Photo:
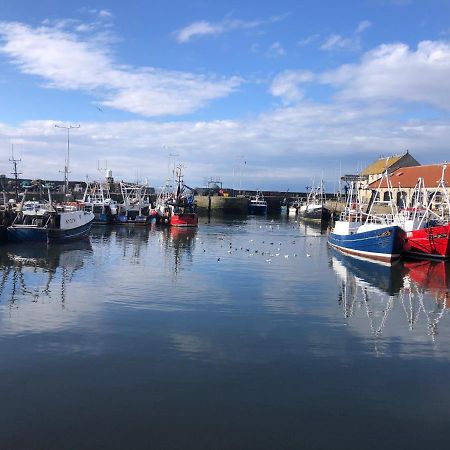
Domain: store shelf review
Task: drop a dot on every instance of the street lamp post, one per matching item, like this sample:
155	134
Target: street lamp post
66	166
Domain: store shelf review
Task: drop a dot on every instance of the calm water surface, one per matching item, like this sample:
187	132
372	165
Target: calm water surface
239	335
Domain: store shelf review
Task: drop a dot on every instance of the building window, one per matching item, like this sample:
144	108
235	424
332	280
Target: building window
402	199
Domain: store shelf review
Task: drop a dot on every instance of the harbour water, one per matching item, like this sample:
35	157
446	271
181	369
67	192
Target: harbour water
242	334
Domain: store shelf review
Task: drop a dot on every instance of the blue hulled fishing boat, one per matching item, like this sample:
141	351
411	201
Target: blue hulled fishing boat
378	242
46	222
97	200
367	235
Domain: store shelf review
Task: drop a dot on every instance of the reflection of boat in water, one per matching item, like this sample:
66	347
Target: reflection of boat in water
23	268
432	277
313	228
413	293
387	279
181	242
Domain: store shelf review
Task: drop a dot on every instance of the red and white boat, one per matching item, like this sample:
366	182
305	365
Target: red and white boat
177	207
427	229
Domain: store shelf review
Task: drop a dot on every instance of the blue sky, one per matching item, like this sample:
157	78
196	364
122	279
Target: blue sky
280	92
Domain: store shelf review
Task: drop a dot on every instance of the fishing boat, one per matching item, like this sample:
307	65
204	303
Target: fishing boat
293	207
257	204
367	235
136	205
97	200
314	207
46	222
177	207
427	229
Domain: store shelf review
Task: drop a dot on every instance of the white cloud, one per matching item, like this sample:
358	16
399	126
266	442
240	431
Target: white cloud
275	50
353	43
287	84
282	147
204	28
393	72
67	61
200	28
364	25
308	40
105	14
338	42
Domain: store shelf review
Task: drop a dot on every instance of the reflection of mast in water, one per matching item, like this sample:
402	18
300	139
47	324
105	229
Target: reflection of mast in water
369	287
27	269
132	238
181	242
374	288
431	277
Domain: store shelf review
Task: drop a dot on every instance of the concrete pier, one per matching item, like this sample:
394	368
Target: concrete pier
221	205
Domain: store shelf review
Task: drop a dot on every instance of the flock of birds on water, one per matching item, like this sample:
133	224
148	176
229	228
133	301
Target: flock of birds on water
269	254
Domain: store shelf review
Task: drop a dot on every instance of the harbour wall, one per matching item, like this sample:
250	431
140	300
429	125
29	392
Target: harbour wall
221	205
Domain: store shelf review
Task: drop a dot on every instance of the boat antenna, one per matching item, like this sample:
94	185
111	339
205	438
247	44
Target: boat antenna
15	172
66	166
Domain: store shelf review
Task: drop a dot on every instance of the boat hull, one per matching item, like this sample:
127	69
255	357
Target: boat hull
184	220
23	233
3	234
257	210
320	214
104	219
432	242
383	244
56	236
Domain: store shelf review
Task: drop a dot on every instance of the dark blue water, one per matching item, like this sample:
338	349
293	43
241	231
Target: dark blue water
239	335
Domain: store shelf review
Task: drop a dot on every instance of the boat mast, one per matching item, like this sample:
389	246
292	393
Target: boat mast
15	172
67	160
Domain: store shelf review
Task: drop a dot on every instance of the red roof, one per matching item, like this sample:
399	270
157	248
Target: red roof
406	177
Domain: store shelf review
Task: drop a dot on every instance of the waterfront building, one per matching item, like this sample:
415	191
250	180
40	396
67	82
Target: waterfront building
374	171
405	179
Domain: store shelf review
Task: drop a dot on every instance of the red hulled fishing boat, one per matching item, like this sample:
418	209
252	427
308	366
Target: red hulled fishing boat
426	222
177	208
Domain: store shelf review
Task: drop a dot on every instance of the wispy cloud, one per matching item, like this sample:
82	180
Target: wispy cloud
308	40
338	42
78	60
364	25
351	43
275	50
205	28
